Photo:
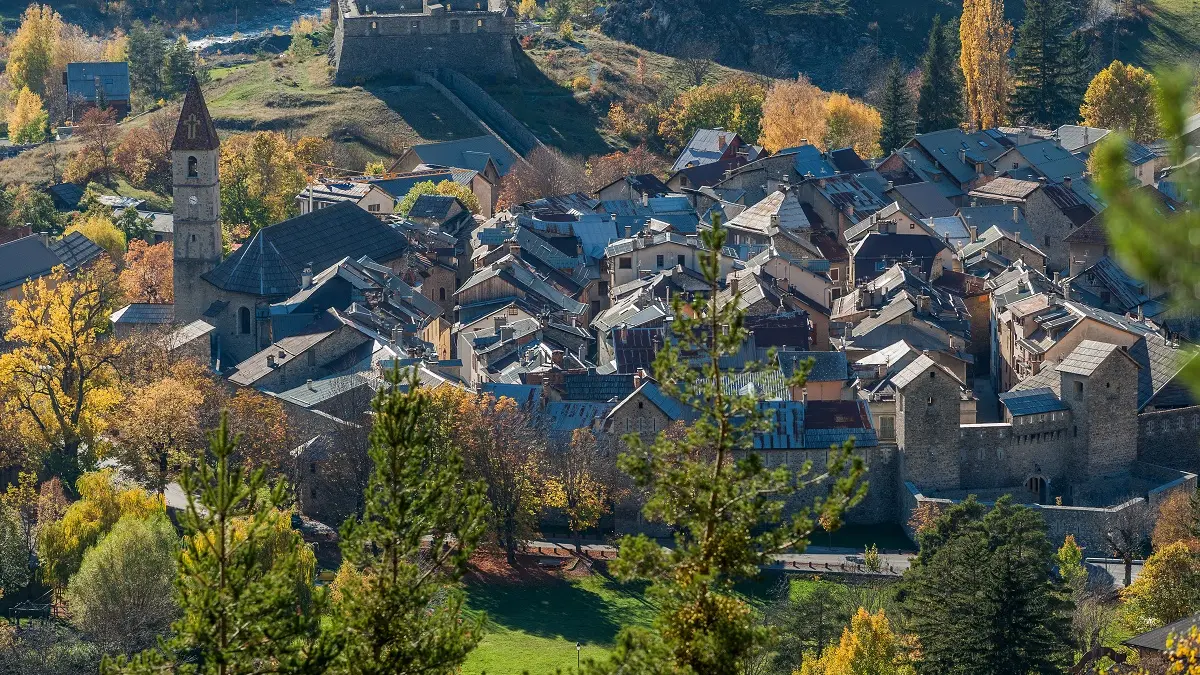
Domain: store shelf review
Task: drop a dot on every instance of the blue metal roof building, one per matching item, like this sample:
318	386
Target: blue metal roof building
86	81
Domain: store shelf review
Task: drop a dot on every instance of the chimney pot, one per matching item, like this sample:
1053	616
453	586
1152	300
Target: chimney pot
306	276
1016	214
270	360
310	386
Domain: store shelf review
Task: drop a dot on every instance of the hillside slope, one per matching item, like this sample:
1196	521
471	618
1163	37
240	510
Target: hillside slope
839	44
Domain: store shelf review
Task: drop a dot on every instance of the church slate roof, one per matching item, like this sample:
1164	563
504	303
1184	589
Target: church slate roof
270	264
195	130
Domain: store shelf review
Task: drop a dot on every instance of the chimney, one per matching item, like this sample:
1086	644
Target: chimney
628	231
733	284
270	360
890	185
556	357
498	323
803	141
1057	278
309	384
923	303
1017	236
974	232
306	276
775	220
1141	314
721	142
962	155
639	377
645	199
1085	135
1067	181
507	333
397	334
1016	214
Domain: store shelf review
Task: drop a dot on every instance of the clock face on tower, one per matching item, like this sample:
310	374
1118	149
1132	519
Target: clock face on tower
192	200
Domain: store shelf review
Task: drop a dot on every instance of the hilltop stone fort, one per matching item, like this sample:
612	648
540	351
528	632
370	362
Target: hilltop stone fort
378	37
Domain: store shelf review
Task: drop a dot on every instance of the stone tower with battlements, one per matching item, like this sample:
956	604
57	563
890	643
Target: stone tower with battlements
197	237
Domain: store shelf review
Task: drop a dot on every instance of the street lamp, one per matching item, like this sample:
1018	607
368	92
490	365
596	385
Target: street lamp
578	650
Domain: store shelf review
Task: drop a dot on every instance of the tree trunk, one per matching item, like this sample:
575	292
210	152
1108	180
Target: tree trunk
578	543
1128	570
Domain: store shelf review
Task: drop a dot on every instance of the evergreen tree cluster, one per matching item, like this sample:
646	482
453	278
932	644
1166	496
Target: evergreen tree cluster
158	67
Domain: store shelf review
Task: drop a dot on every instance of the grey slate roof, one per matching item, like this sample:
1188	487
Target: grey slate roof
257	366
1086	357
87	79
784	205
594	387
195	130
270	263
845	160
926	198
318	391
919	365
1157	639
467	153
66	196
1074	138
436	207
827	366
186	334
808	160
1032	401
144	313
703	148
30	258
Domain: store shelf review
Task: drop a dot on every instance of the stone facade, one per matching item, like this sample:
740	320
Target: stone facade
387	37
197	236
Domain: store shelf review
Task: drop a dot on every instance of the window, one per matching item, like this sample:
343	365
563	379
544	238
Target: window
454	26
834	273
442	293
192	163
374	25
887	427
625	263
658	260
312	467
679	259
244	320
641	405
193	237
1047	240
595	307
373	208
478	25
1078	390
512	311
930	401
603	287
312	358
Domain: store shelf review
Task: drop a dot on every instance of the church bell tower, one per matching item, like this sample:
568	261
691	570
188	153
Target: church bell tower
197	236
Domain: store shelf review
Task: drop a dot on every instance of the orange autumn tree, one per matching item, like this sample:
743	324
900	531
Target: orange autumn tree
158	430
503	446
148	273
261	424
580	476
793	114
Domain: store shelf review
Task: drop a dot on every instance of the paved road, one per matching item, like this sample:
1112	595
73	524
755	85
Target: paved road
820	560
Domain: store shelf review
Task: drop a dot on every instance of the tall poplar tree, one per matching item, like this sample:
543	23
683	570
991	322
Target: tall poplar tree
896	110
1047	69
940	103
985	38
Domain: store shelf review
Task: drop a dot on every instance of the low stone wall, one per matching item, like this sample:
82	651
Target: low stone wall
509	128
1086	524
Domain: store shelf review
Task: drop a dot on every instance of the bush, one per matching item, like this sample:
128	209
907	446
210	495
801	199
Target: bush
581	83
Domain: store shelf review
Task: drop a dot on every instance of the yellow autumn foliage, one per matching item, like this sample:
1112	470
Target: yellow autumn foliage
103	501
986	37
101	230
868	647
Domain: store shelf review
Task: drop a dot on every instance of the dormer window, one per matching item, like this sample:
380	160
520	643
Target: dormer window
192	170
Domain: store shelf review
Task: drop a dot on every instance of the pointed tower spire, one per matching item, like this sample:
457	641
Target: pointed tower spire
195	130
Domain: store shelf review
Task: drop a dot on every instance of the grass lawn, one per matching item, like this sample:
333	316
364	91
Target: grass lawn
1166	34
534	625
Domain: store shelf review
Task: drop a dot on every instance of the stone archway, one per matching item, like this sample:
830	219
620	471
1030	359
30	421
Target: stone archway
1037	485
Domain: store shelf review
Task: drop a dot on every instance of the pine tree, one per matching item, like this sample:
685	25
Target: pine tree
245	580
147	47
982	596
717	494
179	64
397	603
896	110
1049	83
940	105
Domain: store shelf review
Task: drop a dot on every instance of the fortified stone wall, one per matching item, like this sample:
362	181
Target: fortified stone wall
880	505
1170	438
368	46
